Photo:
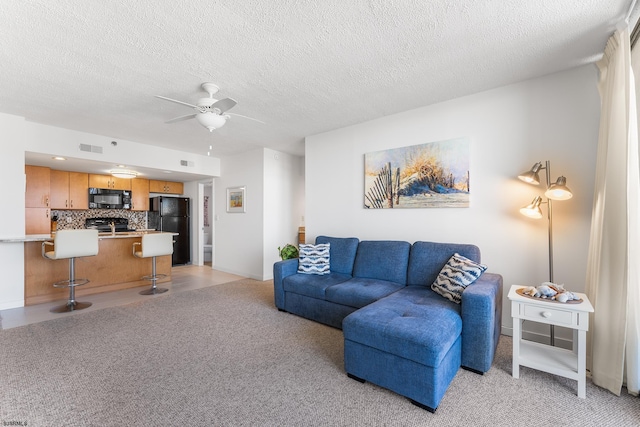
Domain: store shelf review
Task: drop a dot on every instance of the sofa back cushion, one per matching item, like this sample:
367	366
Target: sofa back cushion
383	260
342	253
427	259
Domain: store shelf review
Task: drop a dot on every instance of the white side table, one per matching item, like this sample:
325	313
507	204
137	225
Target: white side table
558	361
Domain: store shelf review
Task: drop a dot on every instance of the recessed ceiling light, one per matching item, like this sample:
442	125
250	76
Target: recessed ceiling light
167	171
58	158
122	166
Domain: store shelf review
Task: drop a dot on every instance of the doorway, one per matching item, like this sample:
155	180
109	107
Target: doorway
205	224
207	228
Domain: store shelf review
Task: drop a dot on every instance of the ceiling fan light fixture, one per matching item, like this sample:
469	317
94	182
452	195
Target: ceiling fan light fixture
211	121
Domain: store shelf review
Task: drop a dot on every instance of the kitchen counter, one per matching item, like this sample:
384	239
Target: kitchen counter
114	267
27	238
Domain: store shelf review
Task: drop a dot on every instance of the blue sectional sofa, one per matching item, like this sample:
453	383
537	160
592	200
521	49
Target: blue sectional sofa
399	333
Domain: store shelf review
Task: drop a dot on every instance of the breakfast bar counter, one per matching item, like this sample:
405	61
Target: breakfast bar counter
114	267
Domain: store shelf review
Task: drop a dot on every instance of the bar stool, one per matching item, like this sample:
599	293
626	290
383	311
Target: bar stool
71	244
153	245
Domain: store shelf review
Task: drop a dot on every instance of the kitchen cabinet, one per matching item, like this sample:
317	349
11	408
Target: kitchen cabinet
139	194
37	188
79	190
69	190
166	187
110	182
37	220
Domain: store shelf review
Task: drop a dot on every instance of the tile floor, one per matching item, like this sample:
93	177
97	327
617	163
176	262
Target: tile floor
183	278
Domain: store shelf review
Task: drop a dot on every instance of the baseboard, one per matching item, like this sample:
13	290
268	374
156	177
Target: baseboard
6	305
238	273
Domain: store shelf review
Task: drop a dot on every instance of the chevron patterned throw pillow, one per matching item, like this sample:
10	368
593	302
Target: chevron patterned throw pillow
314	259
458	273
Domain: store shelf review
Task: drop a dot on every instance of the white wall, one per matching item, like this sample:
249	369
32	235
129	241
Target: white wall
239	236
12	212
246	243
65	142
283	211
510	128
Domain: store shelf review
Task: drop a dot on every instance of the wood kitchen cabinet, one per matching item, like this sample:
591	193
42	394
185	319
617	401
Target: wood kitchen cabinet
37	188
166	187
139	194
110	182
37	220
69	190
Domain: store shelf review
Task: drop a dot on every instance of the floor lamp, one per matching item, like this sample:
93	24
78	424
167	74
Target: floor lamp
556	191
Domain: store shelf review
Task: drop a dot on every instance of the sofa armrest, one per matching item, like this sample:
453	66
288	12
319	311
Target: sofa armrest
282	269
481	313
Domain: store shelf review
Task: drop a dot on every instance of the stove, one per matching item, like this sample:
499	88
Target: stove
104	224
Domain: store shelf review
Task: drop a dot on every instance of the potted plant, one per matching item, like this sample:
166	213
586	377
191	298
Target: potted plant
288	252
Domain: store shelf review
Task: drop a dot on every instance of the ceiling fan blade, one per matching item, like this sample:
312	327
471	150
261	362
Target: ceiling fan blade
176	101
224	104
181	118
247	117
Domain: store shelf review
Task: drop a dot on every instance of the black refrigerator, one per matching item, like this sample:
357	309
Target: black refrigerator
171	214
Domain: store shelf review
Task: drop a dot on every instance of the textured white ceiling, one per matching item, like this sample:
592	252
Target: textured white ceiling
303	67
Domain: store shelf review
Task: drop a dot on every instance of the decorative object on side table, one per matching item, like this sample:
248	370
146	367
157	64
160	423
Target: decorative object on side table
550	292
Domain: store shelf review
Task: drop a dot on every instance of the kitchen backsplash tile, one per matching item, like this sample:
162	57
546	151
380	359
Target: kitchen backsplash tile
68	219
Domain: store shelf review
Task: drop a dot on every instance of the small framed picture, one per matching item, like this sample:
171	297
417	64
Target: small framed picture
236	199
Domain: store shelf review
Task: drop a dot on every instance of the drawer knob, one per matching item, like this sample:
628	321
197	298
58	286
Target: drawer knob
546	314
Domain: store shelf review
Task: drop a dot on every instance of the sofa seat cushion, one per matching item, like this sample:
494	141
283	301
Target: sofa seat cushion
312	285
414	323
359	292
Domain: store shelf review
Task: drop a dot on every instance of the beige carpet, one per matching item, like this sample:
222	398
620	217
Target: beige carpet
224	356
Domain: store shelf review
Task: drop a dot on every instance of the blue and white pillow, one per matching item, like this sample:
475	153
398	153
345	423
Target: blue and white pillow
314	259
458	273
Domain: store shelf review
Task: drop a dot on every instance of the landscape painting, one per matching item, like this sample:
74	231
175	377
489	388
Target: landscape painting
431	175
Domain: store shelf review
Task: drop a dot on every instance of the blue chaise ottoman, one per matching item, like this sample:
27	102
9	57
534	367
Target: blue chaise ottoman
408	342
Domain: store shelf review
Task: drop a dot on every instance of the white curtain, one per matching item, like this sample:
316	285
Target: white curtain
613	275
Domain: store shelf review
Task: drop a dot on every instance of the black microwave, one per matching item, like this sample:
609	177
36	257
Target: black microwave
101	198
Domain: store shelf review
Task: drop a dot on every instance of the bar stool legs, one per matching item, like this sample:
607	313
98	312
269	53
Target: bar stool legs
72	304
154	278
150	246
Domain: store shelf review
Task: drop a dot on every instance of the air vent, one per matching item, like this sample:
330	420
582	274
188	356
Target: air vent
91	148
186	163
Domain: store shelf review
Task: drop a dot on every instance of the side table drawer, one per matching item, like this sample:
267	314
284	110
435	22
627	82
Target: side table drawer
548	315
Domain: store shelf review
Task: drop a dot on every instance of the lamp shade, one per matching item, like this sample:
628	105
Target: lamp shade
211	120
559	190
531	176
533	210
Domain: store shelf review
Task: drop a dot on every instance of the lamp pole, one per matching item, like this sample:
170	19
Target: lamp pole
547	166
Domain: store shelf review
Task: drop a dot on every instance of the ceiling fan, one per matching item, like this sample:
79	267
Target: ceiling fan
210	112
